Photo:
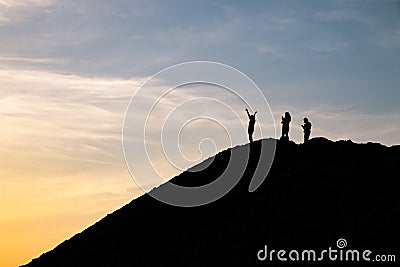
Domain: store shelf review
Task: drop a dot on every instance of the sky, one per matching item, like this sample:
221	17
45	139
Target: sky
68	70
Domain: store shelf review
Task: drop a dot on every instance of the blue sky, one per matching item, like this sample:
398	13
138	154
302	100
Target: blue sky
69	68
300	52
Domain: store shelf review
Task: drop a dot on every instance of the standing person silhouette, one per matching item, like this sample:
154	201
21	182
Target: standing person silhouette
307	129
285	126
252	121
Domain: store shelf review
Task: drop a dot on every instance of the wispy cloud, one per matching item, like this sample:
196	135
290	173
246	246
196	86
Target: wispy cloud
3	19
327	47
388	37
13	10
60	110
54	123
17	3
29	60
381	32
274	51
342	15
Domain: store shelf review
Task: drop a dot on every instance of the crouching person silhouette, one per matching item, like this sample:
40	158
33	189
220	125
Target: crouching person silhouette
307	129
285	126
252	121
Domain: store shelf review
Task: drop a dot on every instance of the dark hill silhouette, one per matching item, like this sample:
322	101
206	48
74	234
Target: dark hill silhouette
314	194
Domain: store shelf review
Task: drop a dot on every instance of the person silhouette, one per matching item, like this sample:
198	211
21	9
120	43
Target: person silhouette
285	126
307	129
252	121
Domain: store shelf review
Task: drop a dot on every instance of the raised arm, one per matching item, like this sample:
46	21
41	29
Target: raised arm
248	114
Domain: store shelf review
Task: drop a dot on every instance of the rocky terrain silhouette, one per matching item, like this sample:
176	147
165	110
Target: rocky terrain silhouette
314	194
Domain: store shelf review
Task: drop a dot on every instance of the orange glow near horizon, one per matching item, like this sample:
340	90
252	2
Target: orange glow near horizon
36	217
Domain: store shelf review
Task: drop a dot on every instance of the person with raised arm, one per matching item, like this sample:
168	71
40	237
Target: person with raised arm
252	121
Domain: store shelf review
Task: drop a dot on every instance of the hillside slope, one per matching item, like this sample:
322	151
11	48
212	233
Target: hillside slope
314	194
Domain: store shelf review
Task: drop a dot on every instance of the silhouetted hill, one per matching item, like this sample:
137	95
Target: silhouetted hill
314	194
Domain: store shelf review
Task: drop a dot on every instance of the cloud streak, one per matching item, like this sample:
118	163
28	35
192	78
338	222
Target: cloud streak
56	125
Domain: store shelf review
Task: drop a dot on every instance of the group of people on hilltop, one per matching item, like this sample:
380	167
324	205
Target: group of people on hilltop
285	126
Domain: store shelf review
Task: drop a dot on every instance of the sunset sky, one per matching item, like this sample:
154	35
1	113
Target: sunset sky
68	70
